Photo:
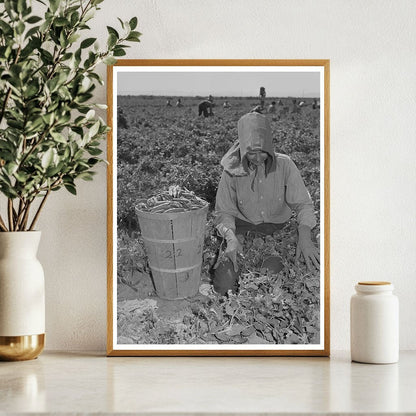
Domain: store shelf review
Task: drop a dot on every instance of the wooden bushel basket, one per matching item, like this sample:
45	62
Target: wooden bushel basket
174	243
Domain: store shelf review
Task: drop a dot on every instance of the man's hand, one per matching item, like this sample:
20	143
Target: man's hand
233	246
307	248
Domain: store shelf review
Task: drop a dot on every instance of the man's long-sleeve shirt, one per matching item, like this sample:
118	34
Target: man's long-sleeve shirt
258	198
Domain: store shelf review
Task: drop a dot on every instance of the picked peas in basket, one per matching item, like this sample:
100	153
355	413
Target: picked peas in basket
175	199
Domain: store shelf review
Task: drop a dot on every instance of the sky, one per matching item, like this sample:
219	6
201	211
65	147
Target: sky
231	84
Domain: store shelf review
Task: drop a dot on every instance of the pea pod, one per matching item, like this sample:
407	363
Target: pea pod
177	199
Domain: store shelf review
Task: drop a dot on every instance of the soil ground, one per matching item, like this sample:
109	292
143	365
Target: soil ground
141	287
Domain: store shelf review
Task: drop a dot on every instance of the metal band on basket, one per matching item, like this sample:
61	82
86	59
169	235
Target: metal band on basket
183	269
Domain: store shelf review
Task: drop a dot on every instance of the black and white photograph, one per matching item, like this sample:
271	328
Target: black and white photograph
219	216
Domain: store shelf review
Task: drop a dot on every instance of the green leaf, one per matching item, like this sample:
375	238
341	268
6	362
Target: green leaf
72	39
67	153
33	126
64	93
112	31
78	154
21	5
86	176
58	137
134	37
15	124
94	129
10	8
48	118
93	161
90	115
46	56
53	84
110	60
133	23
11	168
94	151
53	171
68	55
33	19
74	18
8	191
90	14
54	4
61	21
47	158
20	28
87	42
63	41
82	98
8	52
27	11
31	32
95	76
31	90
70	188
5	28
119	52
21	177
121	22
112	40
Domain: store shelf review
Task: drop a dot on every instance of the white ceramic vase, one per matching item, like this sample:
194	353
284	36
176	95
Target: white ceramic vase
22	296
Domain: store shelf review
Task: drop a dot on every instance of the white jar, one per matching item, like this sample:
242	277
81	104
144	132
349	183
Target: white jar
374	323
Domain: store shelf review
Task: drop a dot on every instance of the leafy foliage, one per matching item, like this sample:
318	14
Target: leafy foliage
270	308
50	134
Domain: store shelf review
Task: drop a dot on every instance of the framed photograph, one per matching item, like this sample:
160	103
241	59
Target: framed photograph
218	208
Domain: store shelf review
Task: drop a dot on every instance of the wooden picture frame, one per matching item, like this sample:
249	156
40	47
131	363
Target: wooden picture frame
152	141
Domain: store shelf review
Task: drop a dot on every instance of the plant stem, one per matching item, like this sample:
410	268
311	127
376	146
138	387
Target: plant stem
10	213
32	149
21	212
18	215
39	209
2	224
26	216
3	109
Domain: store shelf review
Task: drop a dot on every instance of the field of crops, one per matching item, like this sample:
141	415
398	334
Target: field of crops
159	146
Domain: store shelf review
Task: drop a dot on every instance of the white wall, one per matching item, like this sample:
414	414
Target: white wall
371	45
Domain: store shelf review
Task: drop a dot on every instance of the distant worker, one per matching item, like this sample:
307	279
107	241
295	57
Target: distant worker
295	107
271	109
179	103
121	119
262	96
168	104
226	105
316	104
205	108
302	104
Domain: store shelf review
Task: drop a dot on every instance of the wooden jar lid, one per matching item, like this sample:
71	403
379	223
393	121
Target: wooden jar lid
374	283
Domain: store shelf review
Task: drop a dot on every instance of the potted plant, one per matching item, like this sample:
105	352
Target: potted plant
50	136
